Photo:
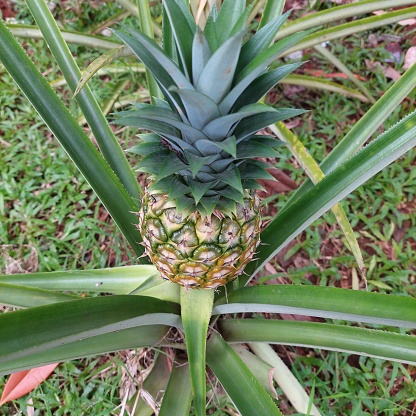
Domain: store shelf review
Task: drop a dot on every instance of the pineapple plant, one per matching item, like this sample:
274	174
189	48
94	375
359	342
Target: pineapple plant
61	323
200	216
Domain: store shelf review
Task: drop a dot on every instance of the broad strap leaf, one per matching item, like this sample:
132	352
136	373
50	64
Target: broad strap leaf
243	388
228	16
196	307
201	53
55	332
258	88
148	51
183	34
323	302
200	109
260	41
217	76
253	124
363	341
71	136
220	127
334	187
179	386
257	67
210	30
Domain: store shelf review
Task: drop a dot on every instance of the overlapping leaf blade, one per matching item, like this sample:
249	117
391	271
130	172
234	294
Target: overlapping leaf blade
68	330
92	112
183	34
244	390
323	302
370	342
217	76
73	139
334	187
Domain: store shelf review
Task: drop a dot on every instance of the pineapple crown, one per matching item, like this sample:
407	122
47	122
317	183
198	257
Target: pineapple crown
202	149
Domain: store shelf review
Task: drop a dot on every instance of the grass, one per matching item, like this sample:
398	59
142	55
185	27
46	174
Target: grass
87	387
46	207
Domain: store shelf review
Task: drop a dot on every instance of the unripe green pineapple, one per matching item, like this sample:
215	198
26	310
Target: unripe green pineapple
197	251
200	218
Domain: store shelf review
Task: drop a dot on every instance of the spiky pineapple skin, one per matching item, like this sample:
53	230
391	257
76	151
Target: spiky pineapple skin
199	252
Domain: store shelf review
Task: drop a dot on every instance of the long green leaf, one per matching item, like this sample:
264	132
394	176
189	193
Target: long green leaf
371	342
272	10
243	388
116	280
137	337
183	34
364	128
312	169
229	14
163	68
217	76
260	41
324	84
178	394
29	297
333	188
104	136
81	327
73	139
196	307
340	12
77	38
255	68
350	28
260	86
323	302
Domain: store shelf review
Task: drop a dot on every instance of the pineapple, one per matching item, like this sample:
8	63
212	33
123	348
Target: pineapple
200	217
